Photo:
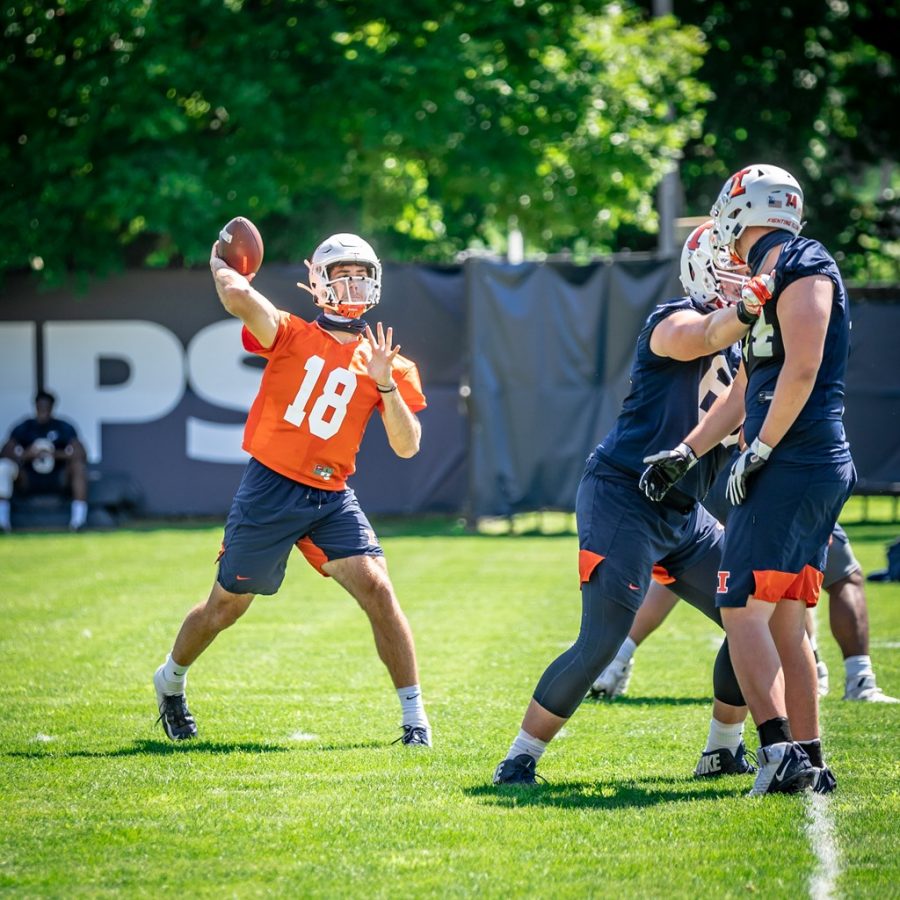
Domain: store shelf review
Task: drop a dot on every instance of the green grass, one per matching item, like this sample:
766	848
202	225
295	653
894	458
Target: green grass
294	788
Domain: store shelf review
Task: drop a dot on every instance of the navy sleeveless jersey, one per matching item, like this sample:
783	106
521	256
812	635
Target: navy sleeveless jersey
817	435
668	398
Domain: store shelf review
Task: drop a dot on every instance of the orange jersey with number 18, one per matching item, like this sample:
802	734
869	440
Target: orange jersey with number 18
314	402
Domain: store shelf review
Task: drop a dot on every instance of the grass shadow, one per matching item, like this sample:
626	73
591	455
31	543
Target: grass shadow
614	794
631	700
153	747
161	747
359	745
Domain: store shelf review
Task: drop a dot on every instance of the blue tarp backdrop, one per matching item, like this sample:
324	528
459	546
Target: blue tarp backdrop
524	368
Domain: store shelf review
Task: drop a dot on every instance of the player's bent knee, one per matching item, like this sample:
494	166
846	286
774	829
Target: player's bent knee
379	602
225	608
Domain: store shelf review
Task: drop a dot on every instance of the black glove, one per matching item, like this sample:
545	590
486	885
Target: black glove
750	461
665	469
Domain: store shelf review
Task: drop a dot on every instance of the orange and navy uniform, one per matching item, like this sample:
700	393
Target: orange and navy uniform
314	402
776	542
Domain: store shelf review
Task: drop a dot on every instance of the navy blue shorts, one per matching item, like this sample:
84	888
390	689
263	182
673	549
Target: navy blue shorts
270	514
777	539
840	562
632	539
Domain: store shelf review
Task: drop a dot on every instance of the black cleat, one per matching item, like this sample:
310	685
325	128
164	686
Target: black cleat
176	718
518	770
723	762
825	781
784	768
415	735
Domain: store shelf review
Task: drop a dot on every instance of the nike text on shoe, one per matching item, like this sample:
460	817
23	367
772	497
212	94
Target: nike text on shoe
176	718
613	680
865	690
784	768
723	762
518	770
825	781
415	735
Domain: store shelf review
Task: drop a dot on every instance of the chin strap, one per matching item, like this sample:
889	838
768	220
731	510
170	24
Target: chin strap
337	323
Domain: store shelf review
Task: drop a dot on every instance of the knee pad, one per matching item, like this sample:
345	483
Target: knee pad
8	472
725	683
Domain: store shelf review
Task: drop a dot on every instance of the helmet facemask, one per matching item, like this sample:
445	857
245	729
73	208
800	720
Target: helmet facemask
347	294
711	277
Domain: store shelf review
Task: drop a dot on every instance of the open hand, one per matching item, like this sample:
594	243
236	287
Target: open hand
380	366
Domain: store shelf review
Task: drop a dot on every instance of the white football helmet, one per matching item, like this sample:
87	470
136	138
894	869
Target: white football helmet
756	195
346	296
707	275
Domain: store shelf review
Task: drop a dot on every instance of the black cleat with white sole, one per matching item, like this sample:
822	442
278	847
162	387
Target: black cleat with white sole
176	718
723	762
784	768
517	770
415	736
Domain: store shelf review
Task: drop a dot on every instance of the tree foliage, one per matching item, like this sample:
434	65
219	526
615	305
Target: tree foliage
812	86
135	128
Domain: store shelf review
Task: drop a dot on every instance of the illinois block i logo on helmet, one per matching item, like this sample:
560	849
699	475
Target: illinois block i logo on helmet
756	195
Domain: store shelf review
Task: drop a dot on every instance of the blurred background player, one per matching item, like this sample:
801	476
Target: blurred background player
44	456
322	382
686	354
789	484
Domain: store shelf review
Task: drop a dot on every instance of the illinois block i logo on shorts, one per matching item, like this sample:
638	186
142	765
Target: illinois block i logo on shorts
722	587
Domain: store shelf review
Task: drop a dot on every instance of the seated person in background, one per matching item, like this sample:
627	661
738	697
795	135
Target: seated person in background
44	456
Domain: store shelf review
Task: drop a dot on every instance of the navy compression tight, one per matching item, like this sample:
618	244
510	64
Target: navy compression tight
604	625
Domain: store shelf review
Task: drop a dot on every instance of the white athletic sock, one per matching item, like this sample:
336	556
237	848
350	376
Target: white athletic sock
4	515
722	735
525	743
626	651
78	515
413	708
175	676
858	667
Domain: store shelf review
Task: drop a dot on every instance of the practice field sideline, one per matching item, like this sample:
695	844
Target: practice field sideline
294	788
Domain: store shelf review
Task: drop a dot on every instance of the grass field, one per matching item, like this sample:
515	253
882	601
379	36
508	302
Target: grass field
294	788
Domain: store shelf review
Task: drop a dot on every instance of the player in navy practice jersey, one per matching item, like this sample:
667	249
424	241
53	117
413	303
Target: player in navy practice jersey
795	474
686	355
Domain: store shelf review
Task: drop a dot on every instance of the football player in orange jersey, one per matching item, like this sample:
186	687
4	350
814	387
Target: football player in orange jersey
322	382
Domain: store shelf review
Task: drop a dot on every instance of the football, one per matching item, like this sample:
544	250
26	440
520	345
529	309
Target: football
241	246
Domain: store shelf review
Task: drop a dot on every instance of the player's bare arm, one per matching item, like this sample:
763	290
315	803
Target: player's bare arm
243	301
804	310
687	335
404	431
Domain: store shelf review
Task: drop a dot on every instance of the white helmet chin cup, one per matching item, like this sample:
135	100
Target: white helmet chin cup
359	293
756	195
